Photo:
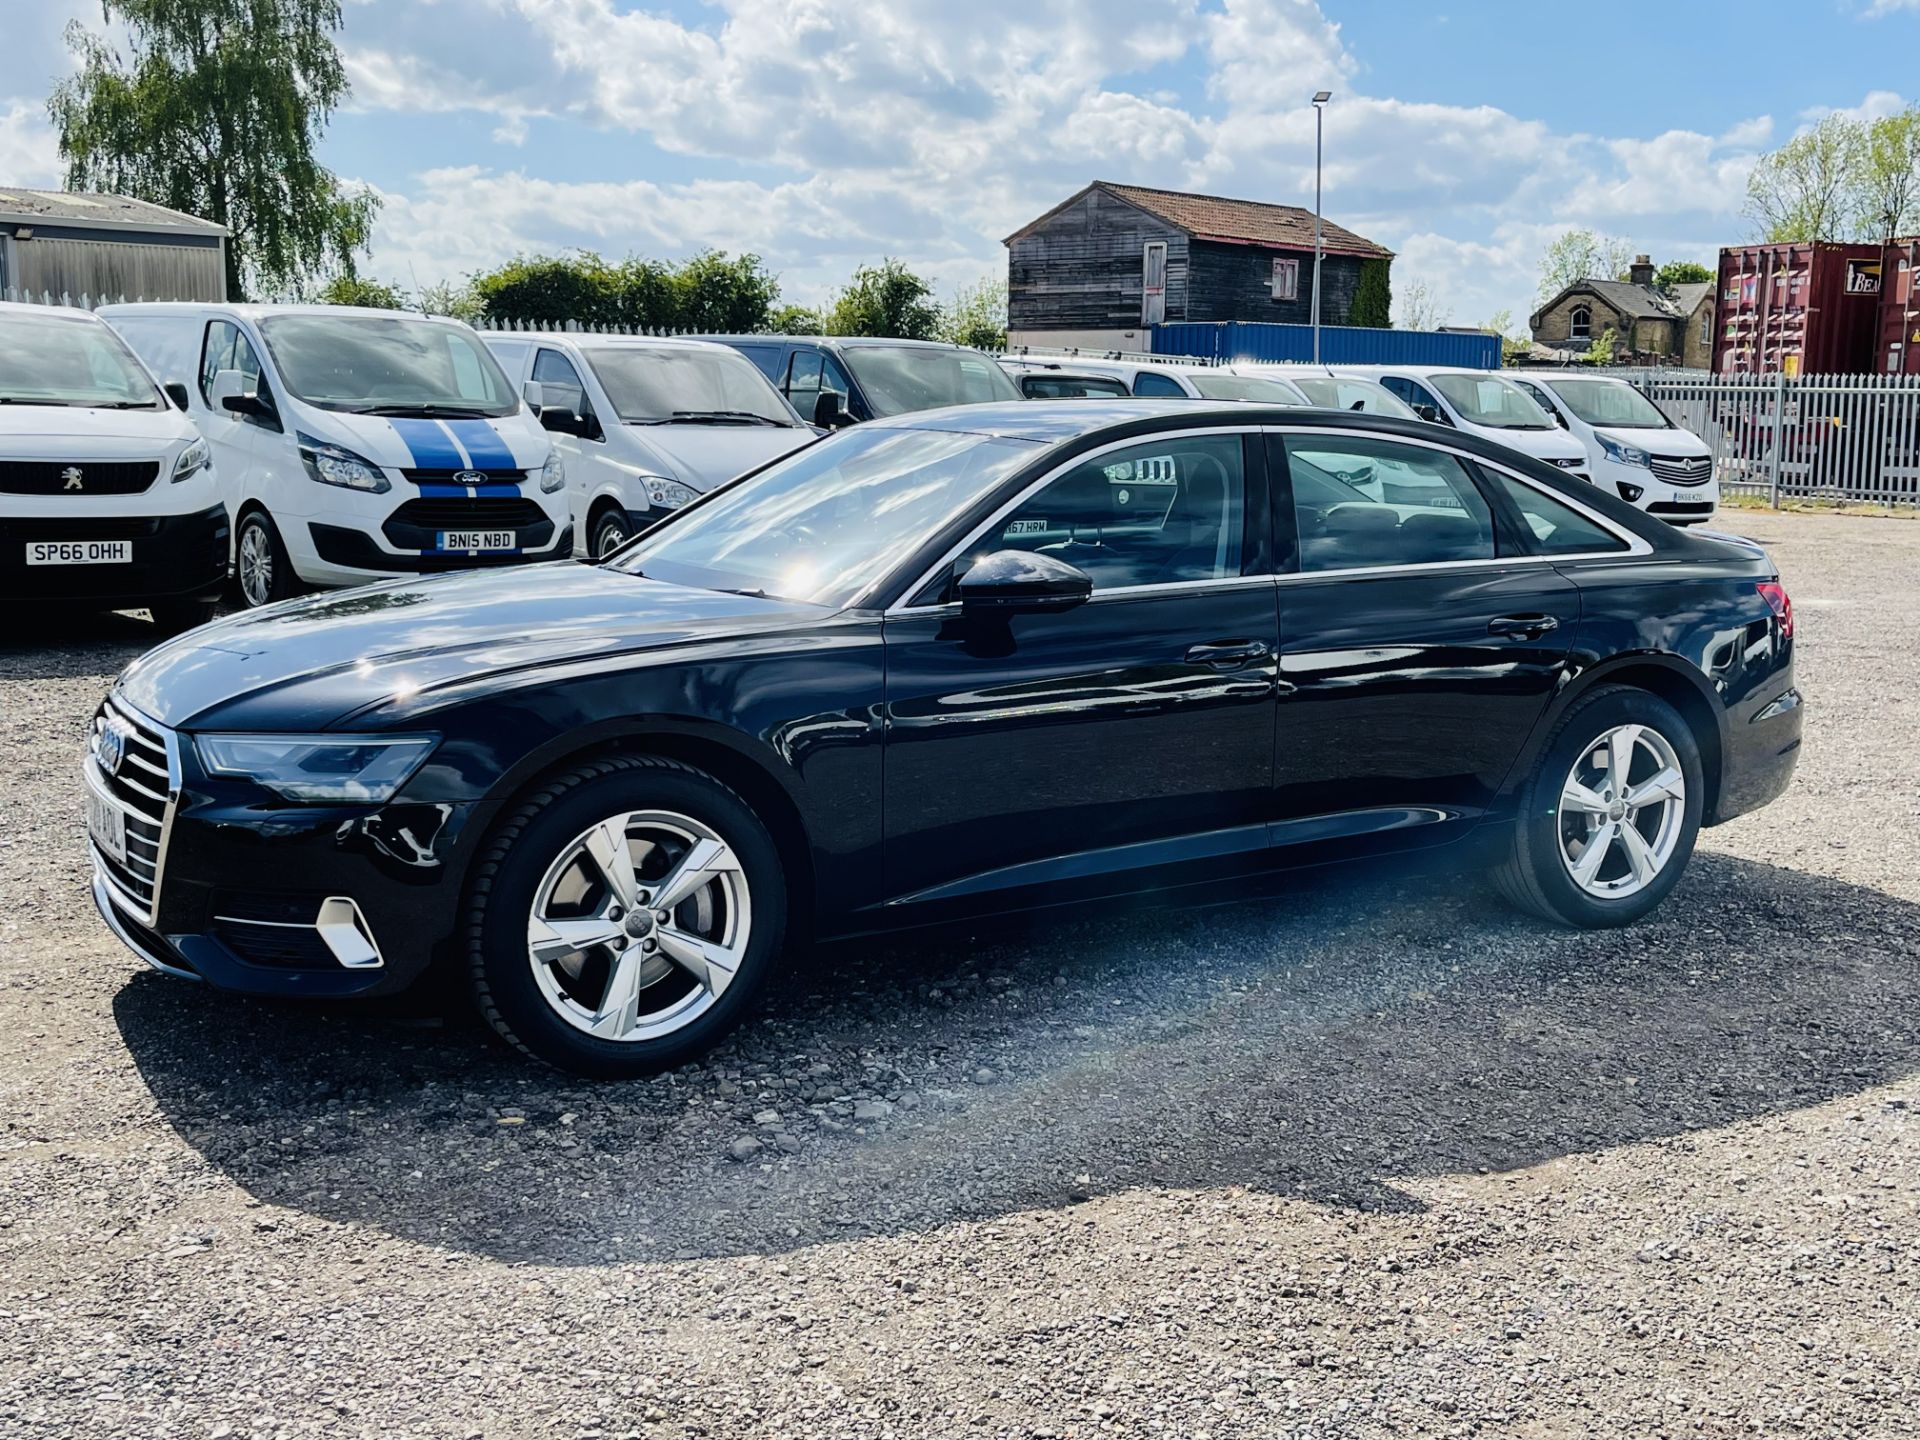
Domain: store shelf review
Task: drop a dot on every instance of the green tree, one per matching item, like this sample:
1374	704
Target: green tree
552	289
722	294
1887	190
796	320
452	297
1372	296
977	315
357	290
886	299
1420	308
1807	189
1580	255
1600	349
1680	272
215	110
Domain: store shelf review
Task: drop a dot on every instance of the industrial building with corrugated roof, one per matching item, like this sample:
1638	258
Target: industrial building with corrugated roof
56	243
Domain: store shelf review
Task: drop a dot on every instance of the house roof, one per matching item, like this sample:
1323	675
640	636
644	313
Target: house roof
1233	222
119	212
1623	297
1686	298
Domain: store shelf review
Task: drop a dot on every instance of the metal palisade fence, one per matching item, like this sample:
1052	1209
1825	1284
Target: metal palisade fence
1804	437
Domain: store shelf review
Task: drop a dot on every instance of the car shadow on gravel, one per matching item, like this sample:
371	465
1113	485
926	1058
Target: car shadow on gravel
1326	1043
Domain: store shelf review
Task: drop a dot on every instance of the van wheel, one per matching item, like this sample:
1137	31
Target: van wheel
262	573
1608	820
610	532
625	917
174	616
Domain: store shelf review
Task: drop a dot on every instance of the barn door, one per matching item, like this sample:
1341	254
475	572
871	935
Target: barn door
1153	283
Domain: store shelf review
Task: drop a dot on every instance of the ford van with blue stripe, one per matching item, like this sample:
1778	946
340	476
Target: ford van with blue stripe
357	445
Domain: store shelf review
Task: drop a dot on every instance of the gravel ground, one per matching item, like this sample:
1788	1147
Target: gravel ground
1364	1158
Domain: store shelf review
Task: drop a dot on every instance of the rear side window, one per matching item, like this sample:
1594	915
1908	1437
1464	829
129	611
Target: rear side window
1558	529
1149	382
1360	503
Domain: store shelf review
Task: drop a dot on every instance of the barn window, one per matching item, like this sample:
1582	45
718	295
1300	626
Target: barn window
1580	323
1286	279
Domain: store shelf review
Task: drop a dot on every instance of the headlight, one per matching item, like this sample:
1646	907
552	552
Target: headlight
195	458
1624	454
553	474
353	768
668	494
332	464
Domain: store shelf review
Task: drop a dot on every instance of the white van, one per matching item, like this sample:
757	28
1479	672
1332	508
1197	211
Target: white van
1176	380
644	424
1632	448
357	445
107	496
1483	403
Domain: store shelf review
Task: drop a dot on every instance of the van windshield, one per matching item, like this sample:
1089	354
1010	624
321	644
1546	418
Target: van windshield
1345	393
56	359
1217	385
1490	401
899	378
1610	402
387	365
694	385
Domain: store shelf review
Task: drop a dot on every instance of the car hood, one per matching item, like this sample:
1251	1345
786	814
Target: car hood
1554	444
55	431
1655	438
313	663
407	442
706	456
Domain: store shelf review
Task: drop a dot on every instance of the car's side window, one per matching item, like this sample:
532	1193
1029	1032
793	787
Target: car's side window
560	383
1150	382
803	381
1557	528
832	377
1359	503
1418	394
1156	513
226	349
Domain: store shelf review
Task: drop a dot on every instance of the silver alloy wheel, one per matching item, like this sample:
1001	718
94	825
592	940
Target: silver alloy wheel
612	536
1621	812
256	563
639	926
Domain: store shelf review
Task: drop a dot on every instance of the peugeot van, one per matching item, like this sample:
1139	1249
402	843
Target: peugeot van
1483	403
646	425
1632	448
107	497
357	445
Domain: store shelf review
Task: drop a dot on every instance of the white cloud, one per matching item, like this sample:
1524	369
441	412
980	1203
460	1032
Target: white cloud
29	154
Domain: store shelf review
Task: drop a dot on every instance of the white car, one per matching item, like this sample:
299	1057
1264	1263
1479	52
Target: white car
1328	391
1178	381
647	425
107	496
356	445
1483	403
1633	449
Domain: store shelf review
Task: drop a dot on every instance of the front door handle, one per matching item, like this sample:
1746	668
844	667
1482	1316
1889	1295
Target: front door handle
1522	627
1228	654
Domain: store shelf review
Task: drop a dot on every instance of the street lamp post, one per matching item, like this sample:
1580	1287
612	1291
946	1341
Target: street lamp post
1320	98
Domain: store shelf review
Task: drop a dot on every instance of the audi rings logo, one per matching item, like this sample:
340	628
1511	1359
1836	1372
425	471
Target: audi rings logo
110	749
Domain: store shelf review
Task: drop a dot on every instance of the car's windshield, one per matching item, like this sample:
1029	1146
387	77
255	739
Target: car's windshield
1610	402
1215	385
1348	394
701	385
387	365
68	360
828	521
900	378
1490	401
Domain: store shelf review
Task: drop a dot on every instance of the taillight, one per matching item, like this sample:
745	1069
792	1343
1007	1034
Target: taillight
1775	594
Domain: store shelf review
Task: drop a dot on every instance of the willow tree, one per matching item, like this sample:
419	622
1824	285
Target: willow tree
215	108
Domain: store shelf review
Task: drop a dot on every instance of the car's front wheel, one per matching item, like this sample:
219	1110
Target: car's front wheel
625	917
262	573
610	532
1609	817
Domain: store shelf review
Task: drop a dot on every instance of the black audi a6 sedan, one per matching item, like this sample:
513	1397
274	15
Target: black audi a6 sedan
973	659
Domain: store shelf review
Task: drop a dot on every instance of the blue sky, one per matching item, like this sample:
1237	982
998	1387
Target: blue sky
822	134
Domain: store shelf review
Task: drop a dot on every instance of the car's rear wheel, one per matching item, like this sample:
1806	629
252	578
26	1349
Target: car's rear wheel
625	917
1609	818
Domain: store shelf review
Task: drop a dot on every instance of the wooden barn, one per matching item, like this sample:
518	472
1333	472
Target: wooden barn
1106	264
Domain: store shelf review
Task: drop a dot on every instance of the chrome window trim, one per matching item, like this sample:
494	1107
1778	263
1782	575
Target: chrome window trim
901	607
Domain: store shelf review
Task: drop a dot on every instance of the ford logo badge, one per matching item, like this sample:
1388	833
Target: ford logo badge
470	477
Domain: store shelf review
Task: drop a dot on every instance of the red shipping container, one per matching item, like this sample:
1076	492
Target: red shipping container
1809	308
1898	351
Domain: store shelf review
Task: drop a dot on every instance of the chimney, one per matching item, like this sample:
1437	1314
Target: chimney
1641	271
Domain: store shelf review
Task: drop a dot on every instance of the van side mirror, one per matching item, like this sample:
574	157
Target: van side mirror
235	394
1015	582
535	394
560	420
830	410
1428	413
177	393
1560	420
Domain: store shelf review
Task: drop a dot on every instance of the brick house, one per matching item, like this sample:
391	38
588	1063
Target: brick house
1650	326
1114	259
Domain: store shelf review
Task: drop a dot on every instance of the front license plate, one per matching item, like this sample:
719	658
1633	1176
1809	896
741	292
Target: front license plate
108	827
79	552
478	539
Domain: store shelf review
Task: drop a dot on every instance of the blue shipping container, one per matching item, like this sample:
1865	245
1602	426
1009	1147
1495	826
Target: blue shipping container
1339	344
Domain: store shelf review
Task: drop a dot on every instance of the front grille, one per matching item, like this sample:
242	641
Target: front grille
448	477
417	524
77	477
1691	509
1683	469
106	527
1567	464
287	947
143	786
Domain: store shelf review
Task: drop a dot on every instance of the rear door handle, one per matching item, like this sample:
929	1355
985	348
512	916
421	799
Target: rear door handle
1522	627
1227	654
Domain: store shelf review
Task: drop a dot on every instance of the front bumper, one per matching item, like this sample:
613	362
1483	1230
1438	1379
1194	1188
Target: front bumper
175	557
1675	504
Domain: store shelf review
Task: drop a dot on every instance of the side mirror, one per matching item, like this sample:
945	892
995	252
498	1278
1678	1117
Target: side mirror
561	421
1015	582
830	410
1428	413
234	394
535	394
1560	420
177	393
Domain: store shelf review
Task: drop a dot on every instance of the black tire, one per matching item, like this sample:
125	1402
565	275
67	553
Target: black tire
171	617
611	529
536	831
1534	876
281	582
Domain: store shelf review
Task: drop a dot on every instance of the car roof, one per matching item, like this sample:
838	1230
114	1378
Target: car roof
56	312
844	341
261	312
590	340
